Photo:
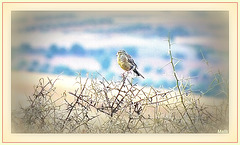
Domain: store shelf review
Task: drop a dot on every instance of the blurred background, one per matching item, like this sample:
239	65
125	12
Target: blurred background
50	43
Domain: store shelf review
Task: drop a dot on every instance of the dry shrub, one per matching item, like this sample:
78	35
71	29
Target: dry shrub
102	106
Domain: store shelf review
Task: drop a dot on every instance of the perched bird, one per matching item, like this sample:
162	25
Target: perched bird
126	62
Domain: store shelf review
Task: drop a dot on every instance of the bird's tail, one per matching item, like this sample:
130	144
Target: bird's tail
138	74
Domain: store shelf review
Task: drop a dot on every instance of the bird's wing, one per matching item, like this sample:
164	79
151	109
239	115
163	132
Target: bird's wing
130	60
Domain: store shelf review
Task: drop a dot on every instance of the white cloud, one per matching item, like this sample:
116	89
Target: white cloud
76	63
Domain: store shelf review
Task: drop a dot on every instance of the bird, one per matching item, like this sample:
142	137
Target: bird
126	62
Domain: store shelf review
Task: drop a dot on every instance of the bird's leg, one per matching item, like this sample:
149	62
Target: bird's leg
123	74
129	72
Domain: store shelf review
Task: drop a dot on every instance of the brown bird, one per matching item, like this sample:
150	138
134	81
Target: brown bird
126	62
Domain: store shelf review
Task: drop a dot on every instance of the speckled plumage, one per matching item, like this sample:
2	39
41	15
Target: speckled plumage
126	62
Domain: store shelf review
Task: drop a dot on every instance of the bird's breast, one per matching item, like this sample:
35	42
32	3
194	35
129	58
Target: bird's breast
123	63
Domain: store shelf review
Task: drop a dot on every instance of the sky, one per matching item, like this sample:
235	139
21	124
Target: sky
87	42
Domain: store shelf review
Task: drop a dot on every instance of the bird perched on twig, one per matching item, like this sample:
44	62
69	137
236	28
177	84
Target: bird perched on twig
126	62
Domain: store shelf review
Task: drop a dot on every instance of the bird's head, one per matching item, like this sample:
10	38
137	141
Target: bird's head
120	52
